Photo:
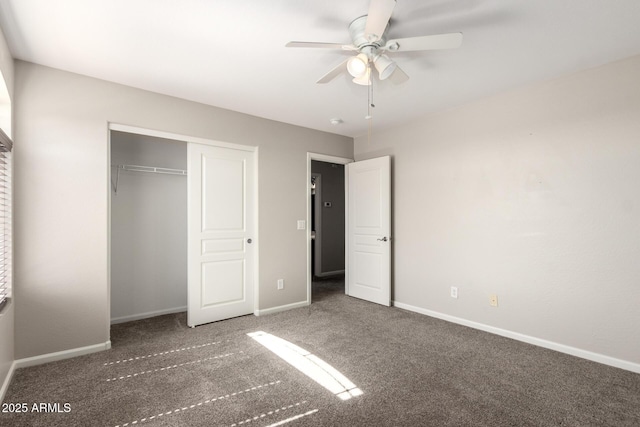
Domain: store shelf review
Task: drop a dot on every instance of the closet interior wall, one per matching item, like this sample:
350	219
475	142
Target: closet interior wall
148	228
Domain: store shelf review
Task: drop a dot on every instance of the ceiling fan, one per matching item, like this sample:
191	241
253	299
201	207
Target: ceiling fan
369	38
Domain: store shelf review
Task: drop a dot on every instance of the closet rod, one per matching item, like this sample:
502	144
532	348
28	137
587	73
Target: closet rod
149	169
152	169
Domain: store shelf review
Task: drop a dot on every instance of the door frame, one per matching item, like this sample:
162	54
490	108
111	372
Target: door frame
111	126
317	241
328	159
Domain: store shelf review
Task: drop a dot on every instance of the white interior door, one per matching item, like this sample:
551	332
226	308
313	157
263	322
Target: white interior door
369	230
221	226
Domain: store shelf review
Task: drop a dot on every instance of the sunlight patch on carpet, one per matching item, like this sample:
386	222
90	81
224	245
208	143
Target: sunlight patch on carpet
276	412
310	365
162	353
295	417
199	404
166	368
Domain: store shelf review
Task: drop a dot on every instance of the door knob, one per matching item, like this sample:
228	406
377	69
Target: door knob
248	240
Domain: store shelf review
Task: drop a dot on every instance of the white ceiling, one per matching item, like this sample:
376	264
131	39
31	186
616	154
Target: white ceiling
231	54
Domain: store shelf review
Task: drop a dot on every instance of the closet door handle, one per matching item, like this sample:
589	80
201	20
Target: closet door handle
248	240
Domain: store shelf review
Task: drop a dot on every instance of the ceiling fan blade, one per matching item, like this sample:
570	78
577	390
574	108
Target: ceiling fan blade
398	76
335	72
438	41
378	17
321	45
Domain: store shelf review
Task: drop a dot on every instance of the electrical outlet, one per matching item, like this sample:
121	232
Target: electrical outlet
280	283
454	292
493	300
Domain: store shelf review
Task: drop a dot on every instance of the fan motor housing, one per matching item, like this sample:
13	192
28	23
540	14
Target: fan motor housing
360	39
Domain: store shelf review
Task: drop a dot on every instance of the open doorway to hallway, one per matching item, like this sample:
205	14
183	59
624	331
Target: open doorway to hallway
327	229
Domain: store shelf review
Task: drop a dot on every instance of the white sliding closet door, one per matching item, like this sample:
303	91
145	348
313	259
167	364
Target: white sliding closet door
221	238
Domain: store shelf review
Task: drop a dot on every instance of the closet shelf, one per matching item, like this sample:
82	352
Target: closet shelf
148	169
152	169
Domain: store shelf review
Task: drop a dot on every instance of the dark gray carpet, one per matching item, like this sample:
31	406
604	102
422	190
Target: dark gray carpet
412	369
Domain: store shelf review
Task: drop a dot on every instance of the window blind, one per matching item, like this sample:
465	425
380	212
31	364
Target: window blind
5	217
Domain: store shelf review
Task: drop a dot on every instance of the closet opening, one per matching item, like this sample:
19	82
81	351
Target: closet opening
148	227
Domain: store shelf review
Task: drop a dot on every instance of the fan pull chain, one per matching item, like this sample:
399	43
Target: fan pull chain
370	106
370	103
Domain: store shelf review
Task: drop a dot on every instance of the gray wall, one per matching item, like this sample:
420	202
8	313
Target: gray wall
7	315
61	132
148	229
332	218
532	195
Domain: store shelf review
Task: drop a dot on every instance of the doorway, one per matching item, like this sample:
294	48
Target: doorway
214	237
148	226
326	218
367	227
327	228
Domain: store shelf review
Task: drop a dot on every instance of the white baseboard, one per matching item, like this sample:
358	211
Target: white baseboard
330	273
595	357
146	315
61	355
281	308
7	381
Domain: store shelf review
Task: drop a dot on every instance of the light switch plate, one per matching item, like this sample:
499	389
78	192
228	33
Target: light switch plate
301	224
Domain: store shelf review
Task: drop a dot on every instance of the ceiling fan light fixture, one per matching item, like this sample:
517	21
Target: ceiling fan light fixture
358	65
365	79
385	66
